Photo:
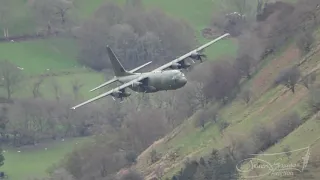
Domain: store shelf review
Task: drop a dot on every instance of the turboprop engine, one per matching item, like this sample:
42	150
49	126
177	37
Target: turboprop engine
120	94
197	56
180	65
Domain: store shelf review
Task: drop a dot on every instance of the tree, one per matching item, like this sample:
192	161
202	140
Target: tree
136	35
11	77
5	16
304	42
1	157
309	79
224	82
314	99
245	95
200	119
76	86
56	89
36	88
288	77
52	14
286	124
249	54
4	119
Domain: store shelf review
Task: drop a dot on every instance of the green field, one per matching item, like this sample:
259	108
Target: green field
35	161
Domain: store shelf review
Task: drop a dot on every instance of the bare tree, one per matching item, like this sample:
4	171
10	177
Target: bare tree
10	76
36	88
5	16
249	54
309	79
314	99
52	14
288	77
246	95
200	119
4	119
305	42
262	136
110	13
286	124
76	86
135	34
56	89
224	81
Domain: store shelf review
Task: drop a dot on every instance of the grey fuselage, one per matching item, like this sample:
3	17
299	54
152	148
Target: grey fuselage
158	81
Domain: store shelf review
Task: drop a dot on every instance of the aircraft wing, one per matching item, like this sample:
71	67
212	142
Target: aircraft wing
104	84
140	67
190	53
117	89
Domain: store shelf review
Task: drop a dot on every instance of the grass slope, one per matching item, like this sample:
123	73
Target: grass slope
268	106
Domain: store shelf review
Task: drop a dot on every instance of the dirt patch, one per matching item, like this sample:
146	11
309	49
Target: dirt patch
265	77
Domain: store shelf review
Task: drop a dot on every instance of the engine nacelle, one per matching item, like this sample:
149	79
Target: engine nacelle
180	65
175	66
197	56
120	94
136	84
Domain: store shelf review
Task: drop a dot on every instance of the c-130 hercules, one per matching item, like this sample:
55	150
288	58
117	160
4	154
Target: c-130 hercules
156	80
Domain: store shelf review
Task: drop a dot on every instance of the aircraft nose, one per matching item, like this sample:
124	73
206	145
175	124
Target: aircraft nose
182	80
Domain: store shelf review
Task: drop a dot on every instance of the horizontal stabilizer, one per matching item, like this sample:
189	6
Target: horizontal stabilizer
105	84
138	68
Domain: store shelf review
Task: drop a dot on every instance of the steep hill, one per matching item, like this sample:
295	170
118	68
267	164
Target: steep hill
269	105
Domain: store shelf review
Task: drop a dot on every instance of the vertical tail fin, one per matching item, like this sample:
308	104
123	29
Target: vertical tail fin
116	65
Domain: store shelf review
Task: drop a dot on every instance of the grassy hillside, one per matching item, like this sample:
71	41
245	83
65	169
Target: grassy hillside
268	106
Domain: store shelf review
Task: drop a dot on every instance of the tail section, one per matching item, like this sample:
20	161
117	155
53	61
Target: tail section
116	65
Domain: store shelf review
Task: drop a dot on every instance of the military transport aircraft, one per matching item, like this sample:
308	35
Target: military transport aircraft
149	82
